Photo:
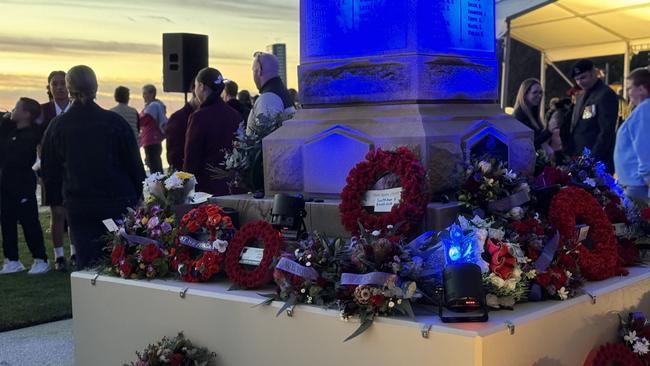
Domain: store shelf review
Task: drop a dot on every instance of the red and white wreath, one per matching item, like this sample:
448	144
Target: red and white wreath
208	230
403	163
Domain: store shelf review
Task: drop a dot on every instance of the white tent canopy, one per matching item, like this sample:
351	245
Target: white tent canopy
571	29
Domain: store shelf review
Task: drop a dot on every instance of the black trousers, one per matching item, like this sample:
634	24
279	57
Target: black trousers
23	209
153	158
87	233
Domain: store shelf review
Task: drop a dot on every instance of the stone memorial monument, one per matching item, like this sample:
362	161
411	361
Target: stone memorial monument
386	73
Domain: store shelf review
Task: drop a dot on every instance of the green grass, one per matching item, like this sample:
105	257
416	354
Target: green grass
27	300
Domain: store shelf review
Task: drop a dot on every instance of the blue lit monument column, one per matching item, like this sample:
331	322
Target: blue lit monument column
385	73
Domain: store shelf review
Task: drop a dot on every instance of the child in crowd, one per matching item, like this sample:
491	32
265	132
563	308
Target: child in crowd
19	137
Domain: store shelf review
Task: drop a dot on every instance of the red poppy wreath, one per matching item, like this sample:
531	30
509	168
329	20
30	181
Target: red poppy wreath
207	229
612	354
403	163
572	204
248	235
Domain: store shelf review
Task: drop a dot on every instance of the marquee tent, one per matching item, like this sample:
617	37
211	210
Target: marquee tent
571	29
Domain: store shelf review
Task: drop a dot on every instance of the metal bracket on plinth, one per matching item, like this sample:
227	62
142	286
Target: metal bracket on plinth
593	298
93	281
425	330
290	311
511	327
183	292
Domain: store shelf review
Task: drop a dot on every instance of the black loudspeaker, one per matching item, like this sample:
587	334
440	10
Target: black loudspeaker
184	54
464	299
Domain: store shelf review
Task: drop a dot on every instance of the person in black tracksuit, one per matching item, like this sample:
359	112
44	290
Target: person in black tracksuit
19	138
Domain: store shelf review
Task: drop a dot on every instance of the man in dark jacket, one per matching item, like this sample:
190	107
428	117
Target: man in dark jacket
175	133
93	153
593	124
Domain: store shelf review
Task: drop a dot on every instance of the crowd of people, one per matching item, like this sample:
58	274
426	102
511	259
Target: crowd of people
589	120
87	159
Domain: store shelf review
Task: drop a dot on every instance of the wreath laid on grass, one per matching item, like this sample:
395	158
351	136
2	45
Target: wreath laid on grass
403	163
205	230
249	235
575	204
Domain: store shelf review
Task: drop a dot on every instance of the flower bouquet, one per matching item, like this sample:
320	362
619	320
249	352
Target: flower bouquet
176	351
371	285
309	274
243	164
490	187
633	348
139	248
169	189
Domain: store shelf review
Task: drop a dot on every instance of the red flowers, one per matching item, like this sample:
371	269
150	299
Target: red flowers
249	235
150	252
206	219
572	204
645	214
502	263
364	175
119	252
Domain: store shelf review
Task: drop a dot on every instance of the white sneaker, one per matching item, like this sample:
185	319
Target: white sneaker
39	267
12	267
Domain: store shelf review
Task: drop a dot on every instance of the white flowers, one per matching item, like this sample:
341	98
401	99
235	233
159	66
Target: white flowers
376	233
220	245
640	345
485	166
531	274
173	182
590	182
509	174
630	337
563	293
516	213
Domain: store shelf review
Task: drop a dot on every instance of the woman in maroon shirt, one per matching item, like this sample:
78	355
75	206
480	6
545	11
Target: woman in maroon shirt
210	130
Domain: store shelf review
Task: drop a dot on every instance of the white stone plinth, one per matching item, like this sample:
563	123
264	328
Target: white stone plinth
116	317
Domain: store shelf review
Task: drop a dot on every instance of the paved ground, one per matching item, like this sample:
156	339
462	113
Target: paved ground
48	344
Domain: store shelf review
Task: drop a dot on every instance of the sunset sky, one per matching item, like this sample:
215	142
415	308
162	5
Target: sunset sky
122	41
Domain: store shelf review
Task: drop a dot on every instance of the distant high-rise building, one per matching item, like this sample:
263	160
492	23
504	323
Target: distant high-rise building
280	51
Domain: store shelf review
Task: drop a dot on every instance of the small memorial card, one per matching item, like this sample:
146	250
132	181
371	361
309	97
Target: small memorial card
251	256
583	231
110	224
383	200
620	229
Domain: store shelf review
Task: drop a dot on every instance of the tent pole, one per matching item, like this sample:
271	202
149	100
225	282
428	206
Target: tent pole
557	69
542	81
626	68
505	67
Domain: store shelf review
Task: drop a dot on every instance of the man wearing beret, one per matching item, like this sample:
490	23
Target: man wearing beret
593	124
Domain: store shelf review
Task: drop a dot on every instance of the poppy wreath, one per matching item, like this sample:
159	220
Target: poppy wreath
612	354
572	204
249	234
209	221
403	163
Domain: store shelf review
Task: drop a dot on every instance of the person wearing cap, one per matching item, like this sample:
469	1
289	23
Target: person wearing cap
274	97
632	152
593	123
210	131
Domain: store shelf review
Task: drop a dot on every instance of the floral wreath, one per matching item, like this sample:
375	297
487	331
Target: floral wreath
249	234
407	167
612	354
575	203
206	220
